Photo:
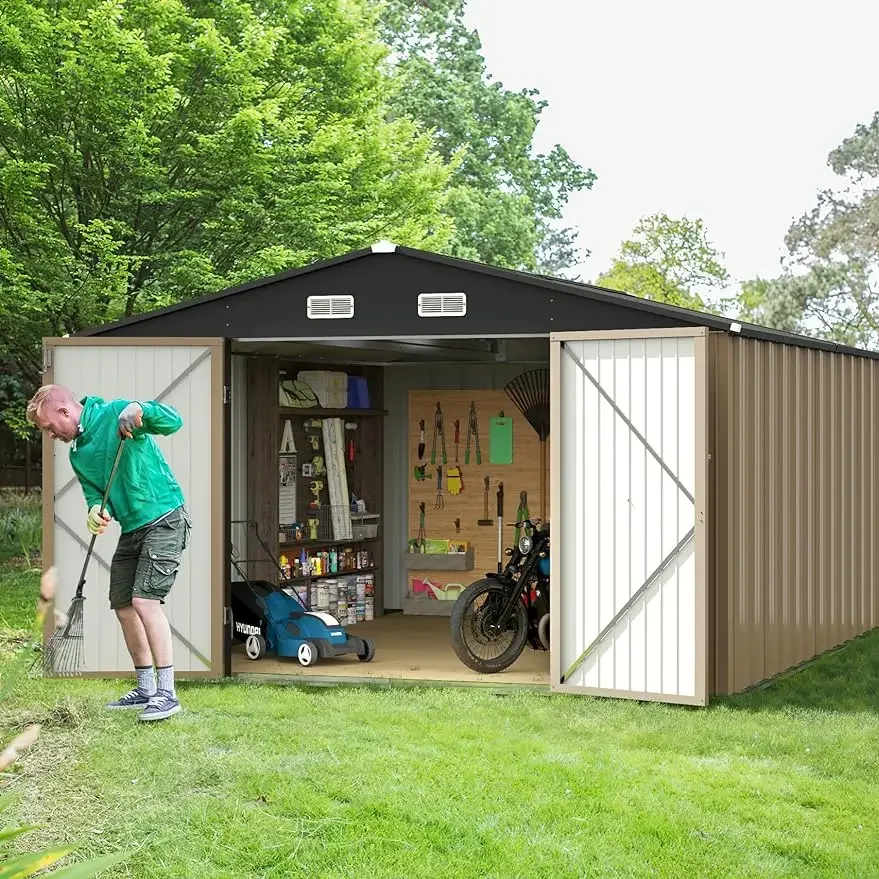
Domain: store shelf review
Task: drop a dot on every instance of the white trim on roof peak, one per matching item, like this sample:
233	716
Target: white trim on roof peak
383	247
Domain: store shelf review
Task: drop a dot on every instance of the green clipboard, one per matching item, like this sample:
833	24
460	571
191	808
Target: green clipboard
500	440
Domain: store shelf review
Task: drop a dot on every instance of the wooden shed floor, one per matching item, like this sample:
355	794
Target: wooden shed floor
408	648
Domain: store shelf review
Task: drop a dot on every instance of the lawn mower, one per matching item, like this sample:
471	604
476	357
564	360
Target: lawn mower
268	619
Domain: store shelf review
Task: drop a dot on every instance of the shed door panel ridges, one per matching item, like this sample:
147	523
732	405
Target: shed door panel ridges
629	550
188	375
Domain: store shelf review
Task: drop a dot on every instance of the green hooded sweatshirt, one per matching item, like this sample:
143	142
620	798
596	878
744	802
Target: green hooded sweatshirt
144	488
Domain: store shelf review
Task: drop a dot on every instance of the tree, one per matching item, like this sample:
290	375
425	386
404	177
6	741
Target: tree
506	202
669	260
153	150
829	283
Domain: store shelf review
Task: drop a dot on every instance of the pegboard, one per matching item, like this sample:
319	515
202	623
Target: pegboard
523	473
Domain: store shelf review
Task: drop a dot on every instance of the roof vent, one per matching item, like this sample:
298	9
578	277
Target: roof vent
442	304
384	247
330	307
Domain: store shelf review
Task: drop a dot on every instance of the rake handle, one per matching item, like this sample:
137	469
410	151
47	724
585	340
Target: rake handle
88	555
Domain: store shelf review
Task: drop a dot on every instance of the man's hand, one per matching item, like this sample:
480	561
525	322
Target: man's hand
130	418
97	521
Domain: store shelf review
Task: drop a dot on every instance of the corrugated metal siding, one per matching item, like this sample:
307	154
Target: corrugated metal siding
629	468
794	470
238	460
398	381
139	372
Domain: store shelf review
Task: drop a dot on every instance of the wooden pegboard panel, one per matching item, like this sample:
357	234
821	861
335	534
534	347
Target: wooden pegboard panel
468	506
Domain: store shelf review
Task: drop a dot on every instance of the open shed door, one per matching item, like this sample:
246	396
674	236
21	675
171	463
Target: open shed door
188	375
629	480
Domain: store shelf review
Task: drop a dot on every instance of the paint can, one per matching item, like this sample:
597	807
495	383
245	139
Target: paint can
369	609
323	595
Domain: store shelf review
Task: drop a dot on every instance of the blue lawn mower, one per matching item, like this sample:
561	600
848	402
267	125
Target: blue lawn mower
268	620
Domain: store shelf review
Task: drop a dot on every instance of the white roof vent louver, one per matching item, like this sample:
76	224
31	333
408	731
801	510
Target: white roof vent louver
332	307
442	304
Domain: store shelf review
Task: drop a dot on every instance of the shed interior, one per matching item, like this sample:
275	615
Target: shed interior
371	577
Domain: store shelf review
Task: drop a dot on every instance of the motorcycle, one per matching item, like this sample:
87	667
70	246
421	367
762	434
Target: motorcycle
505	611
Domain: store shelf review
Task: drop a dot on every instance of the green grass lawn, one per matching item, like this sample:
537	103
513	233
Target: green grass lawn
280	781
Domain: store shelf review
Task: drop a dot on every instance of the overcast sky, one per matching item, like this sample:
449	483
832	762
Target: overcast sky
724	111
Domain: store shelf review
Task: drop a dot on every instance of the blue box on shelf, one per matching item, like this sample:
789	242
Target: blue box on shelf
358	393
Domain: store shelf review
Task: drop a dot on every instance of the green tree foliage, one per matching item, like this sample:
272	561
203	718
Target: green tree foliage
506	200
829	286
153	150
670	260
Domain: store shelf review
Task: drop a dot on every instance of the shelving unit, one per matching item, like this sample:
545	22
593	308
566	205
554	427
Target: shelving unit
267	419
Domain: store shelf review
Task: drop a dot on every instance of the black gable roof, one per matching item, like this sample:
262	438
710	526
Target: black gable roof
385	286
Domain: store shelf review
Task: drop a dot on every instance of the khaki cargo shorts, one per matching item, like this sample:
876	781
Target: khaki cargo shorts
146	561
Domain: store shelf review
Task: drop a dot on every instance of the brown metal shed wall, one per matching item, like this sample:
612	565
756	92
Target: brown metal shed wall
795	450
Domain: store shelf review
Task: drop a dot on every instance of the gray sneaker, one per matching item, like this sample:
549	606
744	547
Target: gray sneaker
135	698
160	706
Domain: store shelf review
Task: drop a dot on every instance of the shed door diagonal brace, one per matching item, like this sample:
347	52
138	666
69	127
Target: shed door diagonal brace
158	398
103	563
628	422
629	604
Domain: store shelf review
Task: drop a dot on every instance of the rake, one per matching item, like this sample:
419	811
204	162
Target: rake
63	652
530	392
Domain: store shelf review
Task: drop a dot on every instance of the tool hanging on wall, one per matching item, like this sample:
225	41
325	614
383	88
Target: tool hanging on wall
472	429
486	521
454	482
500	439
351	426
500	527
457	437
422	534
419	472
457	526
530	392
522	513
421	441
438	431
439	503
317	466
315	442
316	488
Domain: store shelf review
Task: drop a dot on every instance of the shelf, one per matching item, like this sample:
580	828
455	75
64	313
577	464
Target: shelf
439	561
313	544
352	573
289	411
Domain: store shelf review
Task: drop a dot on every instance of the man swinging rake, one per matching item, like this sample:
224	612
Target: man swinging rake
148	503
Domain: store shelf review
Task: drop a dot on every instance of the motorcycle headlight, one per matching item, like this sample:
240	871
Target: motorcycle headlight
525	544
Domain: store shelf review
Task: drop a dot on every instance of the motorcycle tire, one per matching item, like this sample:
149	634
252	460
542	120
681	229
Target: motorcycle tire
459	620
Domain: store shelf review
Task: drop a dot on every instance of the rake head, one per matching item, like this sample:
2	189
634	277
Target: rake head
63	652
530	392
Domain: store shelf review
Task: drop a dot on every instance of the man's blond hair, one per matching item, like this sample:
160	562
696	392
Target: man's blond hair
43	396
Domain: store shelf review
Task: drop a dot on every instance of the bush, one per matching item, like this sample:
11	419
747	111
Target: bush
21	525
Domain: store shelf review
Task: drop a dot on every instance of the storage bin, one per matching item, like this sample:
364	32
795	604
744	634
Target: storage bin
358	392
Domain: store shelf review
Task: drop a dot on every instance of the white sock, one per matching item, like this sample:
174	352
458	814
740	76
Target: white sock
166	678
146	680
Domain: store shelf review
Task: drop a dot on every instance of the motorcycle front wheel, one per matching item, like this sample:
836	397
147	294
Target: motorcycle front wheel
478	641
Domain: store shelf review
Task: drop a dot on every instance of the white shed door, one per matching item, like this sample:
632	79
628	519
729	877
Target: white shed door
188	375
629	471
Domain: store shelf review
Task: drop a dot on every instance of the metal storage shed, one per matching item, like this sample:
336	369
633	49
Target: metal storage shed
713	485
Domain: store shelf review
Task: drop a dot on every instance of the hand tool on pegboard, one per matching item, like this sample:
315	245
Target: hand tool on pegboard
422	534
472	429
438	431
421	441
457	437
486	522
522	513
500	527
439	503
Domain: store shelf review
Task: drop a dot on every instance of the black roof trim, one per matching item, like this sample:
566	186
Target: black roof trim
575	288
